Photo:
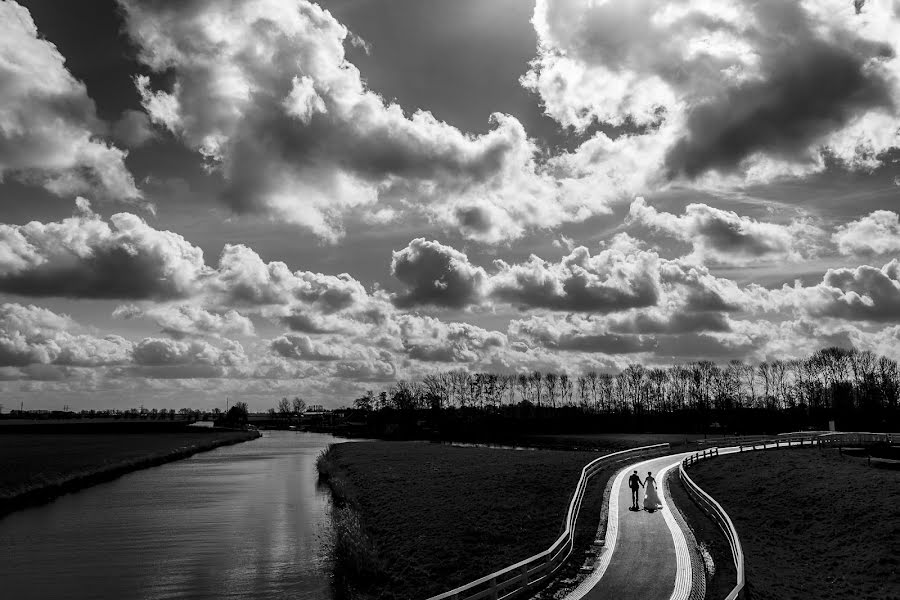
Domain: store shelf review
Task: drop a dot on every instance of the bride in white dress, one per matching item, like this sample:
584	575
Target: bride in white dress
651	497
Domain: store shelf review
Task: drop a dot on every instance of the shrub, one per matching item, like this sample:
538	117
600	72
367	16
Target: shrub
353	553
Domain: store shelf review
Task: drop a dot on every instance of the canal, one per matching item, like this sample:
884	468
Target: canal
245	521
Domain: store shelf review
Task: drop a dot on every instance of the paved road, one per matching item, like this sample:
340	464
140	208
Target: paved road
646	555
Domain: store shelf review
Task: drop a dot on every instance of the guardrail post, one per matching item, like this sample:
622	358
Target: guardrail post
493	584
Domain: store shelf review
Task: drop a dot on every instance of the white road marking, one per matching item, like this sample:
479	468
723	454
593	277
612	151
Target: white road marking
683	573
682	557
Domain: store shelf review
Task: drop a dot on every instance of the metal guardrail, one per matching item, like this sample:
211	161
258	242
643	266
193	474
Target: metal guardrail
537	569
708	505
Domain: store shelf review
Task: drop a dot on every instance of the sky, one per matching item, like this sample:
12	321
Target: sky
206	201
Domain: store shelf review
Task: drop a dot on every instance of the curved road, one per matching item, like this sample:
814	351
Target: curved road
645	555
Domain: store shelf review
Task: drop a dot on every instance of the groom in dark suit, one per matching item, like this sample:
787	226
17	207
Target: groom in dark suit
634	482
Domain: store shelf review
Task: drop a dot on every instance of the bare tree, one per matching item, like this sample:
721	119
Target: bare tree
284	408
592	382
537	384
566	389
607	383
584	387
524	383
550	384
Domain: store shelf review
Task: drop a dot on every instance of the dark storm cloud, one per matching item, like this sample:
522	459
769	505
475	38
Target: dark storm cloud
436	275
814	89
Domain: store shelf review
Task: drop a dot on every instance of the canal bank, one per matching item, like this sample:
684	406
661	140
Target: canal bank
243	521
42	466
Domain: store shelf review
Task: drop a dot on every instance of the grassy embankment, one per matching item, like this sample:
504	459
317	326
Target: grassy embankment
813	524
414	519
37	467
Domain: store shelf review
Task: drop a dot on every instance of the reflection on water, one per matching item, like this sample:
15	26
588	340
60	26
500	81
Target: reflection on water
243	521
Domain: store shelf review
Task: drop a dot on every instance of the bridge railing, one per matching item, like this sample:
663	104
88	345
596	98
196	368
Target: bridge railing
712	508
538	569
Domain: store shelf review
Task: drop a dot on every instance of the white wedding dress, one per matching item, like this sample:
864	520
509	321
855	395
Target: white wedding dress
651	497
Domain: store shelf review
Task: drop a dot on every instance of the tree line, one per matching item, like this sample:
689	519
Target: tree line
832	380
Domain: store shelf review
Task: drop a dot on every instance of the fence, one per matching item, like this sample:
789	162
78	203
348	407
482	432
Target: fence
731	440
823	439
708	505
857	437
538	569
697	456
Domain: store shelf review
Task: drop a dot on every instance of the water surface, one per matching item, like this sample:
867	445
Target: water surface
245	521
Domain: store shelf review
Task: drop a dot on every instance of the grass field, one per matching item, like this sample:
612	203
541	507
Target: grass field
813	524
439	516
38	466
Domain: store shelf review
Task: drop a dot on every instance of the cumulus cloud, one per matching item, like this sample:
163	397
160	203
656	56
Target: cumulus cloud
861	293
87	257
262	89
438	275
30	335
619	277
50	133
723	237
301	347
570	336
351	361
378	367
431	340
876	233
753	90
244	278
164	358
622	276
183	320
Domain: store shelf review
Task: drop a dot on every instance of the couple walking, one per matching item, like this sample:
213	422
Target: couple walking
651	498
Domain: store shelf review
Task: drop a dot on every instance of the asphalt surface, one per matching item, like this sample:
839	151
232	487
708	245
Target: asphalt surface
643	562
